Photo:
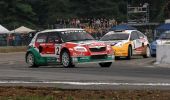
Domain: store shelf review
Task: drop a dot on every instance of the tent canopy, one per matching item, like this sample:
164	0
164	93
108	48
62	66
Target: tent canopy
163	27
3	30
22	29
122	27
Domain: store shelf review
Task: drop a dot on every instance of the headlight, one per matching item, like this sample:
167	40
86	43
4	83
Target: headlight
80	49
109	47
119	44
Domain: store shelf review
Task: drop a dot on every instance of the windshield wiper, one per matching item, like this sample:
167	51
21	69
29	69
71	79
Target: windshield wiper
112	39
72	40
87	39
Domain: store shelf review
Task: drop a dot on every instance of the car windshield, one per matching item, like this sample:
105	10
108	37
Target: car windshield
68	36
116	36
165	36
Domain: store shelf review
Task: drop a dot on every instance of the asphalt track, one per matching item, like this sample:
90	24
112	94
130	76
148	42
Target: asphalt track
138	73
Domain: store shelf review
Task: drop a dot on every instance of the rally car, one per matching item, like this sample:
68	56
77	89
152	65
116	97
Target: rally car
127	43
163	39
68	47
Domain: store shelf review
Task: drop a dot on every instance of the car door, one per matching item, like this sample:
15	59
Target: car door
53	45
137	44
143	40
40	43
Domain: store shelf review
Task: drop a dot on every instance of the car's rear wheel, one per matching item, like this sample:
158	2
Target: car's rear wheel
66	59
106	64
30	60
148	53
129	53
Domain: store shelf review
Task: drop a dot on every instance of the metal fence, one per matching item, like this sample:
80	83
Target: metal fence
15	39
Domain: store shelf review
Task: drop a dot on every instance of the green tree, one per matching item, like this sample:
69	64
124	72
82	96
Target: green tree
16	12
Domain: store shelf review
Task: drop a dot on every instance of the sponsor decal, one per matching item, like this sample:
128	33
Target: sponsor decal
78	54
140	49
98	53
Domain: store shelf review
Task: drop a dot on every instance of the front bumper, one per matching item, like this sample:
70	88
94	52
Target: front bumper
120	51
90	59
153	49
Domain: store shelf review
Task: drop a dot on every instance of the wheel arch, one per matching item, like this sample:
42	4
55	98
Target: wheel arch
27	54
64	49
69	54
148	45
36	54
130	45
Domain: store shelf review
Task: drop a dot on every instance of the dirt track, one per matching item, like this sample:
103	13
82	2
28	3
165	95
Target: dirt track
60	94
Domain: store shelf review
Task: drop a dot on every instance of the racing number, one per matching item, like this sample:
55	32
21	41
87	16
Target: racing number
58	50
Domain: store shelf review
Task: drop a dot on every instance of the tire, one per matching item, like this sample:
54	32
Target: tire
66	59
106	64
129	53
148	53
30	60
153	55
117	58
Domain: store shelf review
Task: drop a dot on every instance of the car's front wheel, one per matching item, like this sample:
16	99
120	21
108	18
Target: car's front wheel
66	59
30	60
129	53
106	64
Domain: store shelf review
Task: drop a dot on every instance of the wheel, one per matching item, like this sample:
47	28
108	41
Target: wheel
30	60
66	59
148	53
106	64
153	55
129	53
117	58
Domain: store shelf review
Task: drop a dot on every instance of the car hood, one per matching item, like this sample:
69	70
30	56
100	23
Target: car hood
159	42
115	42
91	43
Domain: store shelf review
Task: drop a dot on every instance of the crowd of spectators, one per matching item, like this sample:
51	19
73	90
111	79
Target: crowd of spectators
97	27
15	39
91	22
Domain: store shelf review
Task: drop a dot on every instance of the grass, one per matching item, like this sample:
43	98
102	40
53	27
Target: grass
9	49
70	98
29	98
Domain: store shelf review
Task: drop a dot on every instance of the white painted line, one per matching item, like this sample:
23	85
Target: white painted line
150	66
86	83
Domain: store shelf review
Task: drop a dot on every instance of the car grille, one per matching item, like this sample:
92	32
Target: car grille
98	49
94	57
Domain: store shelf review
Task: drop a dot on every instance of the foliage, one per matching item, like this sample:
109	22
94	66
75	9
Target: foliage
40	12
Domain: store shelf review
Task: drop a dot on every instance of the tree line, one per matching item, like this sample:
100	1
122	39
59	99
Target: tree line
40	12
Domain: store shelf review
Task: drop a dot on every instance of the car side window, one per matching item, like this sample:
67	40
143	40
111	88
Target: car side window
41	38
53	38
140	35
134	36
